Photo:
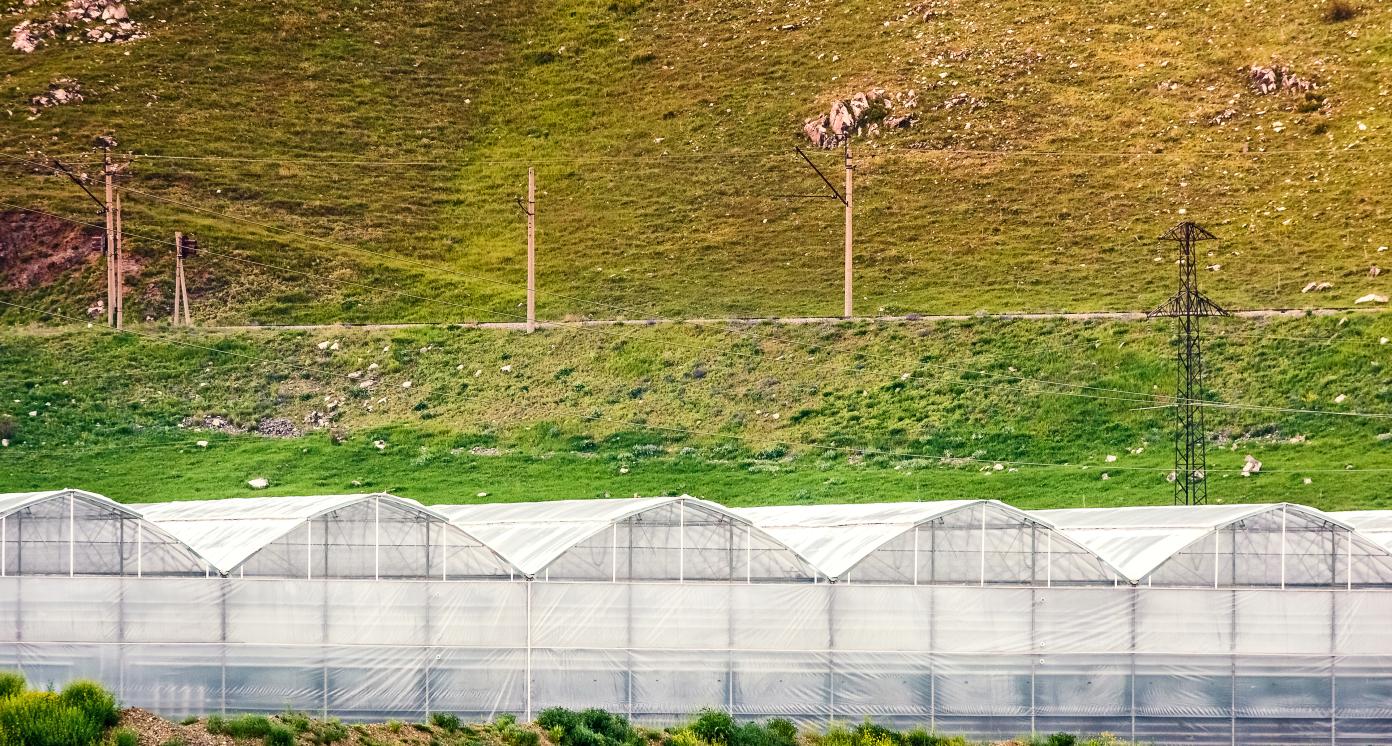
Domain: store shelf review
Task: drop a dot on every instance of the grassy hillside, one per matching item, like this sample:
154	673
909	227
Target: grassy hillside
1053	142
759	415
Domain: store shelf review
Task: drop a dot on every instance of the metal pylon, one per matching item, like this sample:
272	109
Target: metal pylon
1187	306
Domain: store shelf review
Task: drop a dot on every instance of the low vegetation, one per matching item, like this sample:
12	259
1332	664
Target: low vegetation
79	715
758	415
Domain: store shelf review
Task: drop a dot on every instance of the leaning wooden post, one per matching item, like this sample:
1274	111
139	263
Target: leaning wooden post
178	273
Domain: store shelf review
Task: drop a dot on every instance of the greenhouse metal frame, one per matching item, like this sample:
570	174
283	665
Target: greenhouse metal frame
1156	654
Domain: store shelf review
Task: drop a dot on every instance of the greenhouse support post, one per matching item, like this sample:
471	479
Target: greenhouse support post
528	665
1135	599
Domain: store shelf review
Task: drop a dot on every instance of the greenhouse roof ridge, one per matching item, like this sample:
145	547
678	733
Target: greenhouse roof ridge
229	531
1374	524
834	538
532	535
1138	539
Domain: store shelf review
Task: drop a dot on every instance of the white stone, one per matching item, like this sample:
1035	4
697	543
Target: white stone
33	413
380	445
623	469
1307	480
323	345
4	442
1105	476
1250	466
997	467
259	483
1340	398
406	384
202	444
373	366
1372	298
333	346
1111	458
483	494
506	368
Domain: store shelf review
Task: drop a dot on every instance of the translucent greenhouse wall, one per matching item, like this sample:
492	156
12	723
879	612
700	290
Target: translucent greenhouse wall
1196	665
69	533
679	541
984	543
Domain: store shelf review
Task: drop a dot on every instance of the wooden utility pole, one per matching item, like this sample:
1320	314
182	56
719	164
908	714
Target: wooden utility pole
181	246
849	233
120	267
531	250
109	244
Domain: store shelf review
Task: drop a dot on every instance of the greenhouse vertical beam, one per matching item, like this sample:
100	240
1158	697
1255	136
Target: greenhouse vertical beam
1135	623
140	548
1333	667
309	549
915	556
748	554
1034	660
1232	646
681	539
983	545
72	541
376	538
224	584
932	656
614	552
831	589
527	671
1283	547
4	545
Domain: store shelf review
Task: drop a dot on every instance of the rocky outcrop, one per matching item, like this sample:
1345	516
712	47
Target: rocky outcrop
80	21
61	91
1277	79
863	114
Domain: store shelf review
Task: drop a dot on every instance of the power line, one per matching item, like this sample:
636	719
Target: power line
1130	396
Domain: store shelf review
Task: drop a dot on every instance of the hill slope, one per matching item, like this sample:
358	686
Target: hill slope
1052	142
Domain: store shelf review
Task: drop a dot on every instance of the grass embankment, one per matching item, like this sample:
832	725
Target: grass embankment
833	413
1114	117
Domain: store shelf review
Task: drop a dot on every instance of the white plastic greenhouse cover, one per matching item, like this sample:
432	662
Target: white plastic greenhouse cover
1374	524
536	536
1226	545
983	541
75	532
231	532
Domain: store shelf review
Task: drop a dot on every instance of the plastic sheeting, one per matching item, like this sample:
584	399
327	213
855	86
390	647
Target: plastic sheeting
656	538
343	536
948	541
72	532
1151	664
1280	545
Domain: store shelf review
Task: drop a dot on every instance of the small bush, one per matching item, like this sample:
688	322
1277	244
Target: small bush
124	737
683	737
446	721
327	732
298	721
11	684
175	741
93	701
1338	11
515	735
278	735
784	731
714	727
1061	739
190	720
246	726
43	719
394	726
505	720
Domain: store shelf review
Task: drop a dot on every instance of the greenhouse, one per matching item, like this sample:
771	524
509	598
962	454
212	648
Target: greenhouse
326	536
656	538
980	542
1205	625
1228	546
72	532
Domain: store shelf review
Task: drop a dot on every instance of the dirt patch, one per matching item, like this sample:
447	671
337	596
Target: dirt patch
154	730
36	249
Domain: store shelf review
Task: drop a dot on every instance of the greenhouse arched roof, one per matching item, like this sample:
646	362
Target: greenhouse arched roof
836	538
230	531
14	502
1376	525
533	535
1138	540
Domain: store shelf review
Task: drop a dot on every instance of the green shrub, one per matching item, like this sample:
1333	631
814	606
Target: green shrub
515	735
614	728
175	741
447	721
505	720
714	727
1061	739
683	737
124	737
558	719
245	726
394	726
278	735
44	719
298	721
592	727
328	731
11	684
784	732
189	720
93	701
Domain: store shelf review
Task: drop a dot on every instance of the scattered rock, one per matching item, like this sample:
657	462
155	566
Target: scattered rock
1374	271
864	113
998	467
60	91
318	419
1276	79
211	422
1340	399
380	445
486	451
202	444
4	442
323	345
623	469
1371	298
96	21
506	368
1105	476
405	384
277	427
1307	480
258	483
483	494
1111	458
1250	466
1315	287
1382	340
1384	437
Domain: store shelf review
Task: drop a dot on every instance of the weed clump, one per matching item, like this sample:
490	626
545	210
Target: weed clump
125	737
446	721
279	735
1338	11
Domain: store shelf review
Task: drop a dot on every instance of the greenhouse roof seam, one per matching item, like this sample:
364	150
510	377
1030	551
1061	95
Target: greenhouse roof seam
532	535
223	531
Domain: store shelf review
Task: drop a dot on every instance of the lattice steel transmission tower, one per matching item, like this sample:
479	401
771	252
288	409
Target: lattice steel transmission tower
1187	306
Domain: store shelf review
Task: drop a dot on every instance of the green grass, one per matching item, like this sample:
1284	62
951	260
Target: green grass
615	101
672	409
